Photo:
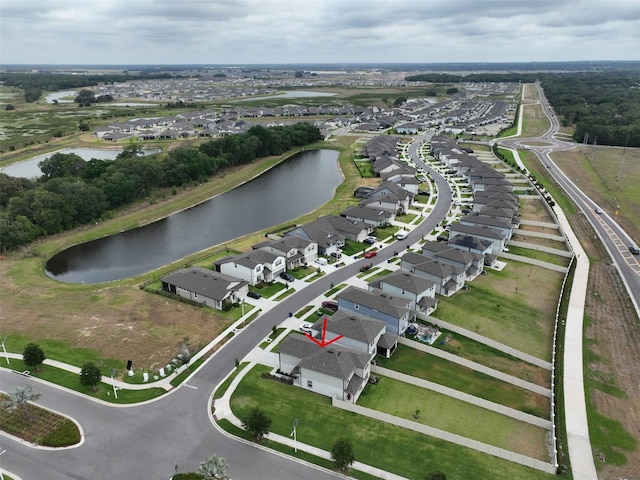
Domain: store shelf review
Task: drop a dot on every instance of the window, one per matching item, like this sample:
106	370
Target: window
309	384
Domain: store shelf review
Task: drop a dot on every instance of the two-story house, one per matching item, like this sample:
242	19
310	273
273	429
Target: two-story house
394	310
420	291
254	267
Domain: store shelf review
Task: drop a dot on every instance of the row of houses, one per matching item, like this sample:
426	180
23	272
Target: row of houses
494	215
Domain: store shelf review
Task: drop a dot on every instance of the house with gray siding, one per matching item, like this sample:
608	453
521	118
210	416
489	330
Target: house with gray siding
448	278
205	286
420	291
394	310
332	371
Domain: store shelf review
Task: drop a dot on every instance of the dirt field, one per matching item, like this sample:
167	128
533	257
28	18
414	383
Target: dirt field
614	334
613	329
119	321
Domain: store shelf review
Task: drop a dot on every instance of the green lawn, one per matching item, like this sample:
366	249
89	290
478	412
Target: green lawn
515	306
485	355
72	381
434	369
540	255
62	352
405	452
455	416
268	291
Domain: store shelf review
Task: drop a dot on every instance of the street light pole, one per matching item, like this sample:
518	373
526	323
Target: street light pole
294	435
6	355
1	474
115	390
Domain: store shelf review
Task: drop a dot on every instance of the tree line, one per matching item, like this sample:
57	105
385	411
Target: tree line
72	192
602	106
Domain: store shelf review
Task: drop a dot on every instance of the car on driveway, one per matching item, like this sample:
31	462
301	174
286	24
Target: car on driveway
330	305
371	253
306	328
252	294
287	276
370	240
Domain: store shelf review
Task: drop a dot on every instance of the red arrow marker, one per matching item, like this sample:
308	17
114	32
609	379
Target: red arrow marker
324	343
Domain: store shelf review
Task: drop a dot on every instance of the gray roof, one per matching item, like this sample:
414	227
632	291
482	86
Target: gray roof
352	325
204	282
333	360
404	280
476	219
368	213
388	340
255	257
469	241
478	230
432	266
446	252
381	302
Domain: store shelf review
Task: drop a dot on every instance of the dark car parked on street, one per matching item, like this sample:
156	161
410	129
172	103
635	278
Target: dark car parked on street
287	276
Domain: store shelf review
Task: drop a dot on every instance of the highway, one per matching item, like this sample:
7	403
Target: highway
614	238
174	433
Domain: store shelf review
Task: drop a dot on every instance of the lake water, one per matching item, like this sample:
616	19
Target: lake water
292	94
60	95
293	188
30	169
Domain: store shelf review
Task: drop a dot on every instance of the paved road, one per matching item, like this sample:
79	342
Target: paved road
616	241
614	238
148	441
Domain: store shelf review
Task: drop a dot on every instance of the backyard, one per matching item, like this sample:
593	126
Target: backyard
405	452
515	306
434	369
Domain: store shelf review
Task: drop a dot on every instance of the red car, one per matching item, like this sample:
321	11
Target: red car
371	253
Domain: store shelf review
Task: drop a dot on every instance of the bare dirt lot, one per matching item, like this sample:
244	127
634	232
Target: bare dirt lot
612	328
614	335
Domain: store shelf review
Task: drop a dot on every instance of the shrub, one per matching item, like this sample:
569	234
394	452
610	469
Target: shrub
63	436
187	476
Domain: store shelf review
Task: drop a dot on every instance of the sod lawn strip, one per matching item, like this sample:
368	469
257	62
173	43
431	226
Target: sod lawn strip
515	306
434	369
398	450
490	357
455	416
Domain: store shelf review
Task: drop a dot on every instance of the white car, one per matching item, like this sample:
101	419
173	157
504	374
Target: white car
306	328
401	235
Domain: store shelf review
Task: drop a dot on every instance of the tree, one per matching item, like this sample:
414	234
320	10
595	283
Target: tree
436	475
19	399
214	468
33	356
257	424
9	106
90	376
85	97
342	453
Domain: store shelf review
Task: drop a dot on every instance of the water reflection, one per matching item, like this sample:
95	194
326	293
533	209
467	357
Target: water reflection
297	186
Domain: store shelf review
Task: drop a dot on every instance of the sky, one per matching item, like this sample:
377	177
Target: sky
126	32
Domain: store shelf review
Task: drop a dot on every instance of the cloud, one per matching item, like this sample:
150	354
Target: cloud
297	31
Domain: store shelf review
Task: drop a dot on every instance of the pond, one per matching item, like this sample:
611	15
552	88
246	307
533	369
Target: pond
299	185
292	94
30	169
